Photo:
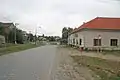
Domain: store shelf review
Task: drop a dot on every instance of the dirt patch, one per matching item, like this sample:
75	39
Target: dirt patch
111	56
106	69
70	70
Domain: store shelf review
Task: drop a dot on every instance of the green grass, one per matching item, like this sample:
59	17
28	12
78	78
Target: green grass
113	52
106	69
16	48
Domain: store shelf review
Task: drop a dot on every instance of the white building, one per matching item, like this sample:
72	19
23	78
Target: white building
99	32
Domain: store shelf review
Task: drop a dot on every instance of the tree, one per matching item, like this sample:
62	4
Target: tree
31	37
70	30
1	30
11	36
43	35
19	36
65	33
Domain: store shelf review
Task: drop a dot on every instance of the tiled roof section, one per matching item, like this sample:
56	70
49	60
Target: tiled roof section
101	23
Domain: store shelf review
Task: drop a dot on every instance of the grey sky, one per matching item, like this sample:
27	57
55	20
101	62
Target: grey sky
53	15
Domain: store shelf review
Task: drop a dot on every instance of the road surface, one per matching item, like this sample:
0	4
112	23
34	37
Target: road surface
32	64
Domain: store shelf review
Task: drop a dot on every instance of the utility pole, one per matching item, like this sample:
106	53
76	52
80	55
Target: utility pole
16	24
15	35
36	35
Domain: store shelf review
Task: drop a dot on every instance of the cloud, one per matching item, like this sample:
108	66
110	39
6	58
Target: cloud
53	15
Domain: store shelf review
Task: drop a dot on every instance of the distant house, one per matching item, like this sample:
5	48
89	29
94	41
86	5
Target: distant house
100	32
6	28
41	38
25	36
2	40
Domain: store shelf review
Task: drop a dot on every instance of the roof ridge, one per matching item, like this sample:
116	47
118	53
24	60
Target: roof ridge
109	17
101	23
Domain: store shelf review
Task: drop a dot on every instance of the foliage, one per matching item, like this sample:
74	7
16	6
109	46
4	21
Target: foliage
19	36
1	30
30	37
10	37
65	33
51	38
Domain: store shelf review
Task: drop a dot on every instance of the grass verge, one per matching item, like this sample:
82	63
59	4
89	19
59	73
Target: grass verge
16	48
113	52
105	69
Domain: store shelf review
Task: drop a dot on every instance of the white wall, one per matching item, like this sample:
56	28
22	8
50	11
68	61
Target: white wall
70	38
106	35
87	37
80	36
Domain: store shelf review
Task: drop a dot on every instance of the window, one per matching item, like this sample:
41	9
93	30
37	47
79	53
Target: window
97	42
80	42
76	41
73	41
76	35
113	42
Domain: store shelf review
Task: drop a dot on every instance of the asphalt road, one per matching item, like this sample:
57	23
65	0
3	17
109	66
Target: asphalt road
32	64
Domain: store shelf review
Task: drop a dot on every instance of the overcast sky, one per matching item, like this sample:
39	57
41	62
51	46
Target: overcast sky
53	15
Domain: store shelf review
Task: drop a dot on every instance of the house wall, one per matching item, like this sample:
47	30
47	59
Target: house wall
80	36
106	35
70	38
88	36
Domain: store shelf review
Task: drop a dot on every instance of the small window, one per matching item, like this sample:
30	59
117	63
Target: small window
76	41
73	41
113	42
97	42
76	35
80	42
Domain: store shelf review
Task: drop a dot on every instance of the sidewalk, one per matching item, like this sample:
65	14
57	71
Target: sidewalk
93	54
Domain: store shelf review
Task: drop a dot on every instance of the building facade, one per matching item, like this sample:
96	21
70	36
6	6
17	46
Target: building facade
92	35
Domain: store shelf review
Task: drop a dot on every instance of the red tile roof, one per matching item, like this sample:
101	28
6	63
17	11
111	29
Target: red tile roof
101	23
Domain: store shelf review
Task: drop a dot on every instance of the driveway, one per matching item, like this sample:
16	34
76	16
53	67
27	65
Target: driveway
32	64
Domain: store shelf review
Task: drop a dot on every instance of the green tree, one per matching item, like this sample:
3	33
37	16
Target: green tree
70	30
11	36
19	36
1	30
31	37
65	33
